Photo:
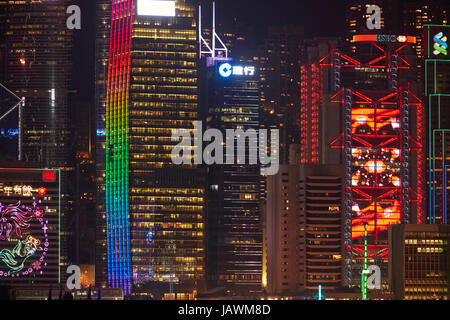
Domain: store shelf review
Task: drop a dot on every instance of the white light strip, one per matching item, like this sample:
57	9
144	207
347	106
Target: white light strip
156	8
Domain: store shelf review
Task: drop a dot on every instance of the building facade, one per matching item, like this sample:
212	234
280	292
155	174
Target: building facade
102	38
382	144
37	65
154	208
419	262
30	237
303	234
234	244
437	93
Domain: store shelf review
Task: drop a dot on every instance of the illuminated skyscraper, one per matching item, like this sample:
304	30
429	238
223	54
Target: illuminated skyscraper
234	246
154	208
37	65
437	92
356	18
382	144
398	17
102	35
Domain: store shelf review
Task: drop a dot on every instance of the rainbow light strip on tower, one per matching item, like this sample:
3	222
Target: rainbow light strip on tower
117	147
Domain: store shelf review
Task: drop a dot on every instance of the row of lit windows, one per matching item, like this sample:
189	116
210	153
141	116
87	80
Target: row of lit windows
427	241
165	71
168	225
164	88
162	122
165	34
172	207
164	114
151	139
164	105
169	96
150	46
186	191
157	131
165	54
157	164
166	199
153	62
165	79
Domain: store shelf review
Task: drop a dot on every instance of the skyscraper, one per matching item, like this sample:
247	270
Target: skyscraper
319	120
102	38
37	65
280	61
154	208
382	143
437	93
234	246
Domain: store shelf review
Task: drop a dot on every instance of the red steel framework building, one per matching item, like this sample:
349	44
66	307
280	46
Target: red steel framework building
382	142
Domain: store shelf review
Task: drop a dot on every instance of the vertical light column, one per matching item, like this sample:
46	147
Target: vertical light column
117	105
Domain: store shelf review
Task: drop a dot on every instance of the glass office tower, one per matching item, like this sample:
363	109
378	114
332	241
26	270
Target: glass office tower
102	34
154	208
234	254
37	63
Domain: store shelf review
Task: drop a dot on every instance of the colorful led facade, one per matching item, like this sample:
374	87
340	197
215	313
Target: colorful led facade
382	151
154	208
437	92
30	204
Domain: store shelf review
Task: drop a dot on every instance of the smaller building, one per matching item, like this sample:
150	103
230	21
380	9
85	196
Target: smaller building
419	262
303	230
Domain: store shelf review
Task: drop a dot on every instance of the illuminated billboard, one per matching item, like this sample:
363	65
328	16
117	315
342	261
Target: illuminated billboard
162	8
29	226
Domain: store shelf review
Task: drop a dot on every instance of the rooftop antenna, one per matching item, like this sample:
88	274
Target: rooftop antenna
214	52
20	104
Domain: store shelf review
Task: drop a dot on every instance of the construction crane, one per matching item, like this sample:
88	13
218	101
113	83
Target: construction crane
20	105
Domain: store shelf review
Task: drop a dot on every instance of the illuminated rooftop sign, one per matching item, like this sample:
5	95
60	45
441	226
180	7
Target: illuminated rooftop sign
436	42
226	70
383	38
162	8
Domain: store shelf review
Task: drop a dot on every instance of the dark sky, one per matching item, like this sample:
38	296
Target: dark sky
320	18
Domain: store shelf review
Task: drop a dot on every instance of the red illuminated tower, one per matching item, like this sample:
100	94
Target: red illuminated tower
382	145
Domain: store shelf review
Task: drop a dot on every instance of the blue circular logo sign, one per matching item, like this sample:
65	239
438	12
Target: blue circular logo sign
225	70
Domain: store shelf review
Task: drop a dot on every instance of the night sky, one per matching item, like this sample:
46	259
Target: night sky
319	17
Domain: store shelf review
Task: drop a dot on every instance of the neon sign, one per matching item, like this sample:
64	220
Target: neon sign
440	44
23	248
226	70
20	190
383	38
9	133
49	176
